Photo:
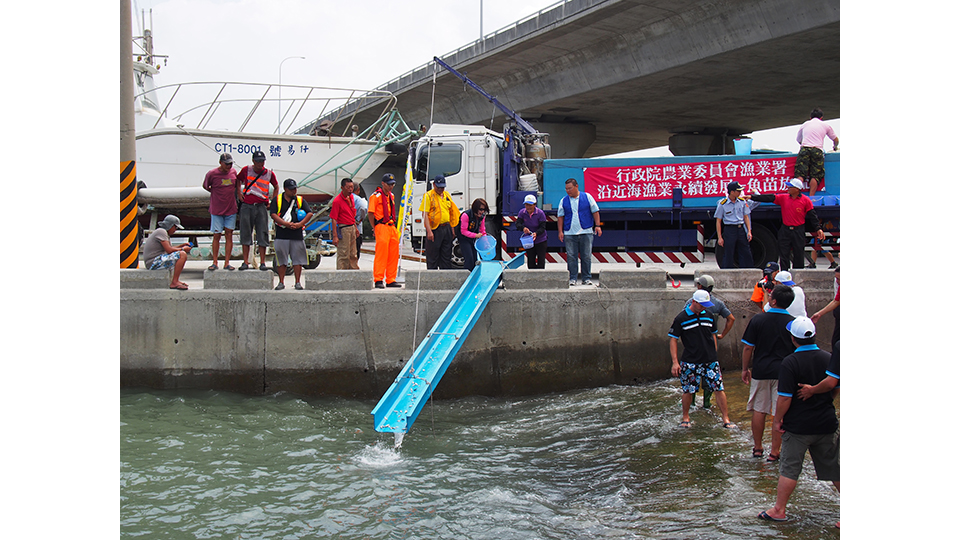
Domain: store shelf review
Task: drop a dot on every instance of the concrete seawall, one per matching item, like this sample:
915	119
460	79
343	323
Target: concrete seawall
354	342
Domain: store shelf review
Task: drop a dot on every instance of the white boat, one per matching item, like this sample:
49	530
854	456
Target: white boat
183	128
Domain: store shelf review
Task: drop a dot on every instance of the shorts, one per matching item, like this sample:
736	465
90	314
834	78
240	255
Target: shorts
167	260
693	376
294	251
824	451
219	223
763	396
809	163
253	216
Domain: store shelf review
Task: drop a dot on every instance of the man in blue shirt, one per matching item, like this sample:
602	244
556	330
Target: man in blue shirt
733	228
578	219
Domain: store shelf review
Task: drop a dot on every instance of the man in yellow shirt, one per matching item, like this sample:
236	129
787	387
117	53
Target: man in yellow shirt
440	213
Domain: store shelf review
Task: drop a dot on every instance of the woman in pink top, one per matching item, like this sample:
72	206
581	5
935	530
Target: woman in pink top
472	227
810	158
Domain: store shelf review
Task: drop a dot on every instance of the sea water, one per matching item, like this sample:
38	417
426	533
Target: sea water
598	463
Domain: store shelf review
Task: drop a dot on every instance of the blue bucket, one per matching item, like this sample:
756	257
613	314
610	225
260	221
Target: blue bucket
486	247
526	240
743	147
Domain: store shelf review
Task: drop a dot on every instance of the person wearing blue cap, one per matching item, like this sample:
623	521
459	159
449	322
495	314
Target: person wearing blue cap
440	215
698	365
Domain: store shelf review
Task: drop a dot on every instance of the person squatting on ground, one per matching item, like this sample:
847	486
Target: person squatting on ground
766	341
578	219
698	365
290	213
809	165
343	213
733	228
470	228
531	220
806	425
253	191
222	185
718	309
159	254
382	215
797	215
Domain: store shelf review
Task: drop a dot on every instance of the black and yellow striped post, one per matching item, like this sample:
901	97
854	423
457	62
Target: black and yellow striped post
129	231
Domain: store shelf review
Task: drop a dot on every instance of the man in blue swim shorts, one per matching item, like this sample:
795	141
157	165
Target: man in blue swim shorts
698	365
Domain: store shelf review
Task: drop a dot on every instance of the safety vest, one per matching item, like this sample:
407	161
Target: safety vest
474	224
279	204
441	208
583	209
258	185
385	204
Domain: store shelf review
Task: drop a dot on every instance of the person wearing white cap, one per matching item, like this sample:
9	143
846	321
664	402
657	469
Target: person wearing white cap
698	365
807	425
158	253
796	212
798	308
531	220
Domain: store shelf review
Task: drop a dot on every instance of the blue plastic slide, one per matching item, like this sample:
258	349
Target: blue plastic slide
402	402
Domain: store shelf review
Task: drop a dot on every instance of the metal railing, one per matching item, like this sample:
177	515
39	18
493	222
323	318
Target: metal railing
250	97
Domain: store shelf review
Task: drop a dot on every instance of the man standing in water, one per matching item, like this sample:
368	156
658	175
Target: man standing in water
698	365
809	424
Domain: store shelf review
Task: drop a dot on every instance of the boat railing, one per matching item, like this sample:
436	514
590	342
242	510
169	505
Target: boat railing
249	101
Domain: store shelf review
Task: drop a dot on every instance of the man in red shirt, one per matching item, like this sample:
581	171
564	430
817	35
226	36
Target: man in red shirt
343	213
253	189
221	183
796	210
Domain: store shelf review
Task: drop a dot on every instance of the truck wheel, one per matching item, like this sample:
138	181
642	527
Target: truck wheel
276	269
764	246
457	258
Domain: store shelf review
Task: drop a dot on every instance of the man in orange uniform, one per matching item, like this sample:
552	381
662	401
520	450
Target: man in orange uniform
383	214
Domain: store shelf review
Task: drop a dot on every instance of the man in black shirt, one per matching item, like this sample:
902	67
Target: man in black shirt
766	341
698	365
286	212
805	424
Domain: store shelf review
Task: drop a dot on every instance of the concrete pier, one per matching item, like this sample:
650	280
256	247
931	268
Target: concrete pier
535	336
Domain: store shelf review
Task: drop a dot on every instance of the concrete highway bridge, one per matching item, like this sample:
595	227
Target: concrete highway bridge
608	76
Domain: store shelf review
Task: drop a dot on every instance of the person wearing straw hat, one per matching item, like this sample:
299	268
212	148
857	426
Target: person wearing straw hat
470	228
698	365
807	425
532	221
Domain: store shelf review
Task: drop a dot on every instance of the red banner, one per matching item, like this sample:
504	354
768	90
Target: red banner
704	179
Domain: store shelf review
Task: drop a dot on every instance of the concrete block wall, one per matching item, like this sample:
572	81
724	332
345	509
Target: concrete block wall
354	343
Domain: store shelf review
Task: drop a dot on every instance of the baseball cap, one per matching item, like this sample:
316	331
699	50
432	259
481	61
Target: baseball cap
771	268
289	183
802	327
734	186
784	277
439	180
259	156
530	199
703	298
226	158
796	183
170	221
389	179
705	281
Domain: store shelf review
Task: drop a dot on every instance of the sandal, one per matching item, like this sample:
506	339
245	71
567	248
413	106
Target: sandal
773	458
228	267
212	267
758	452
685	424
181	287
729	425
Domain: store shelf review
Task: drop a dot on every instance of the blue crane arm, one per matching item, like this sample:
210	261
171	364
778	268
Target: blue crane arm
529	129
